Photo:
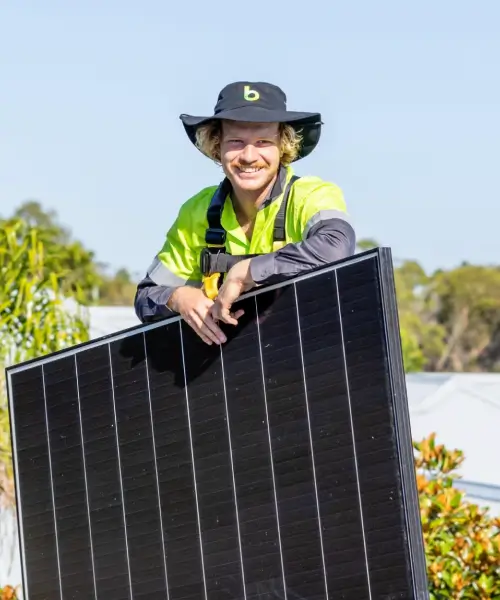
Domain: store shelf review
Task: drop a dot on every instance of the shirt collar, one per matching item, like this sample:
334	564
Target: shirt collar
278	187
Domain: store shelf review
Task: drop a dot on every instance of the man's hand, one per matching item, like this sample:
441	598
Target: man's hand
194	307
238	280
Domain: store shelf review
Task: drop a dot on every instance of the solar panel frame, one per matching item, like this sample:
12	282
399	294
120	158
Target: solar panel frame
397	385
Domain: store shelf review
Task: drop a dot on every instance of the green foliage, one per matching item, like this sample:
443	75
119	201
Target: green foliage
366	244
118	289
34	319
462	541
422	338
413	357
77	272
468	305
450	320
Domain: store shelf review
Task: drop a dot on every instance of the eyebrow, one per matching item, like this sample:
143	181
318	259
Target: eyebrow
228	135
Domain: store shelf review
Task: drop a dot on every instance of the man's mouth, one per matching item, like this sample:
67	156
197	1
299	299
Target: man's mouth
249	169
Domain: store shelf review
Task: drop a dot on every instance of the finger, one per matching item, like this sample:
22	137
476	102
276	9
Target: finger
230	317
210	328
218	339
197	325
227	316
207	340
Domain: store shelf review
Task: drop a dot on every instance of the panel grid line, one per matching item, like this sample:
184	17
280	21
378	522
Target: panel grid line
192	461
320	527
270	447
232	473
156	465
353	435
120	470
85	476
52	483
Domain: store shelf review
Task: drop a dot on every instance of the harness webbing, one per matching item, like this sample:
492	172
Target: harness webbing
215	258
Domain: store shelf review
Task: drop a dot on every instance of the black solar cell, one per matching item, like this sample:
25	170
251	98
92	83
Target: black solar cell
109	550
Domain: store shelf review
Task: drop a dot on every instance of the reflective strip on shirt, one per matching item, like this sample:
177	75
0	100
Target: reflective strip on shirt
324	215
161	275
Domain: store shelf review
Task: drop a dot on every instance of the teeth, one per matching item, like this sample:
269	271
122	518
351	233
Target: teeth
249	170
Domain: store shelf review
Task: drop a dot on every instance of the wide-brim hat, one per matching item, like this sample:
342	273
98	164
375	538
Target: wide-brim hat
259	102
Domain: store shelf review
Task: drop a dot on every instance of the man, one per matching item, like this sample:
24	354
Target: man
261	225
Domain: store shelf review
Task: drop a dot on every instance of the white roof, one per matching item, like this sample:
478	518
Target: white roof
464	411
105	320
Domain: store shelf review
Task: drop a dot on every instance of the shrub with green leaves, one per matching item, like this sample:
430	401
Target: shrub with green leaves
462	541
34	319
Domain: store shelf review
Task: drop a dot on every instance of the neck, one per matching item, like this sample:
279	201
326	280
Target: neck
246	203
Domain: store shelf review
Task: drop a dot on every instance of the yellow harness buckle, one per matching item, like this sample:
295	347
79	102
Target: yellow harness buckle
211	285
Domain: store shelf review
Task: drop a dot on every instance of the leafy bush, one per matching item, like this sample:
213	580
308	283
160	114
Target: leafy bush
34	317
462	541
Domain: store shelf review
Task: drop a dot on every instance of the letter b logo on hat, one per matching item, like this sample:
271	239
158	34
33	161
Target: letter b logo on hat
251	95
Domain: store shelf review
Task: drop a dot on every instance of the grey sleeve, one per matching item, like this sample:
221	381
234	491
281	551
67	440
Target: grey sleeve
326	242
151	299
154	290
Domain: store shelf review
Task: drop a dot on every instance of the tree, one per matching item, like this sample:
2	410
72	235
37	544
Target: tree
118	289
78	272
462	541
421	336
34	307
468	308
366	244
35	216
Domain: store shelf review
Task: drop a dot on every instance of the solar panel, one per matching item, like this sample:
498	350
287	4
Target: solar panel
280	465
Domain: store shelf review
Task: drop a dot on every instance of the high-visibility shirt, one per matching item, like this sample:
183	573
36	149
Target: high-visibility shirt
313	205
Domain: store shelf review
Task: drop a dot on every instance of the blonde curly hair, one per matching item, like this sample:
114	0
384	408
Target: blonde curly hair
208	138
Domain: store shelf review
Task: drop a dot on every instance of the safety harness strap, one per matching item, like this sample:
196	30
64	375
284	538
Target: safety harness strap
215	235
217	260
279	222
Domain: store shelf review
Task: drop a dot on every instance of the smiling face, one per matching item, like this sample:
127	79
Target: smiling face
250	154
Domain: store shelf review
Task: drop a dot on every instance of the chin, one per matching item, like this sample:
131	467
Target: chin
252	183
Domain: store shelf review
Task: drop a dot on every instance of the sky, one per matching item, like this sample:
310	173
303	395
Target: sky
91	92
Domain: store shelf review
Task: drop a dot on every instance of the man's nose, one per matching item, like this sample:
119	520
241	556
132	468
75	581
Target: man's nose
249	154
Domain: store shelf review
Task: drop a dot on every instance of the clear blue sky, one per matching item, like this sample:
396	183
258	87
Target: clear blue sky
91	91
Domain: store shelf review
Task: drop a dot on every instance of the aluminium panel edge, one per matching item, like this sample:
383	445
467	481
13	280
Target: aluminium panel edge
404	440
17	490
